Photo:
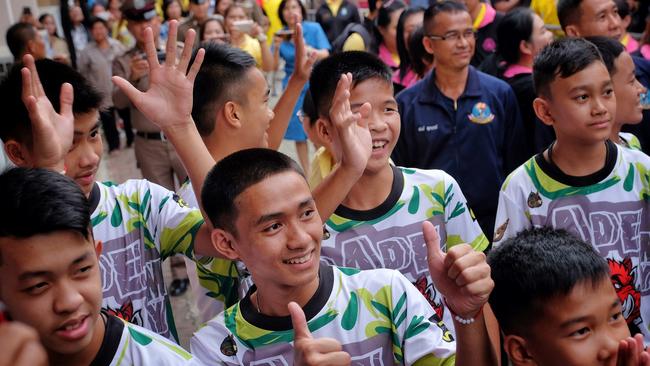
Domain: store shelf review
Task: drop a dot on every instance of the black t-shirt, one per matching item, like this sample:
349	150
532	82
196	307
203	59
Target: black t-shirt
486	41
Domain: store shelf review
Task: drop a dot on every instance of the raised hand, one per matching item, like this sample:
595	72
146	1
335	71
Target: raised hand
20	346
311	351
462	275
305	59
52	132
350	127
631	352
168	101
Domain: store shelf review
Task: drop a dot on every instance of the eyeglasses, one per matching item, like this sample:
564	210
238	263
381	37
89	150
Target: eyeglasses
454	36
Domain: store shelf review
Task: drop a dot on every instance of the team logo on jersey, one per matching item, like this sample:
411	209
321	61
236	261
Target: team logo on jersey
623	276
481	114
126	312
534	200
500	231
181	202
228	346
429	292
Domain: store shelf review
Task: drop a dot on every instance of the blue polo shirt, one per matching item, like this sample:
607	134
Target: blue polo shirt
476	139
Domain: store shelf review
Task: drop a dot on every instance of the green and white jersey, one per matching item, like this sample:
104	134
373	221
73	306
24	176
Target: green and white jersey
630	141
140	224
378	317
609	209
125	344
390	235
213	280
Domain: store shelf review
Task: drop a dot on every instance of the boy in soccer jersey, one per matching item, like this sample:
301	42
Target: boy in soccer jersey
51	278
264	215
584	182
379	223
556	304
627	88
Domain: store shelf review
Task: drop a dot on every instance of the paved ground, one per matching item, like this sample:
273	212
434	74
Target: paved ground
119	167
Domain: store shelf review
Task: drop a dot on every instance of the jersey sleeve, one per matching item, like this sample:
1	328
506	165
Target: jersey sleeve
205	344
511	218
172	222
460	224
422	339
144	347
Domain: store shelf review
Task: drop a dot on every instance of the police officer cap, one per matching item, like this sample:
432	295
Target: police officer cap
138	10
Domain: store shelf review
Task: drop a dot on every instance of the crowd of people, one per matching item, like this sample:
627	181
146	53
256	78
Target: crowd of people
479	193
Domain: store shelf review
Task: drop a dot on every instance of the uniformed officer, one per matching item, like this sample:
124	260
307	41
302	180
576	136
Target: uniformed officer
199	14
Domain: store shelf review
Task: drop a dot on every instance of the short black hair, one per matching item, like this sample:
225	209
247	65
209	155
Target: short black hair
233	175
564	57
568	12
609	49
309	109
17	37
16	124
623	8
94	20
402	44
221	78
444	6
41	201
283	3
383	17
515	26
535	266
327	73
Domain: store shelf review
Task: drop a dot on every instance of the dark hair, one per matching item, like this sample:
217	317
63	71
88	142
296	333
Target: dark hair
563	57
536	265
16	124
205	24
444	6
41	19
41	201
166	5
383	17
403	46
420	58
234	174
623	8
222	77
568	12
327	73
609	49
515	26
232	7
283	3
216	6
17	37
309	109
94	20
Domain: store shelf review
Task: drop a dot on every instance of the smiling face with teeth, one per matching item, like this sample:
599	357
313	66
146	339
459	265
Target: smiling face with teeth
278	235
52	283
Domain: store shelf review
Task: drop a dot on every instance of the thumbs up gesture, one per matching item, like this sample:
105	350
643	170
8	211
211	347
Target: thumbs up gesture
310	351
462	274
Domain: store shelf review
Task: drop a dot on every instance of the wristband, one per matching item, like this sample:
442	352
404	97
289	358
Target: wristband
461	320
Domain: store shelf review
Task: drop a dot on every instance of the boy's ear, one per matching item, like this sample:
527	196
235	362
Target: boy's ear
232	114
18	153
572	30
517	350
542	109
98	247
323	131
223	242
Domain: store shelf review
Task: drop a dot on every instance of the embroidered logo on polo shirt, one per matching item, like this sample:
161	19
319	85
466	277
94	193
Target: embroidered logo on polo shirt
428	128
481	114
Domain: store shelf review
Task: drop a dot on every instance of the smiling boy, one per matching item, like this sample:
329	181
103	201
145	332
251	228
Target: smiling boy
583	182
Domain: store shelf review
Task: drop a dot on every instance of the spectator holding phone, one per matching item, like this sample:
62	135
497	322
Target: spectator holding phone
247	35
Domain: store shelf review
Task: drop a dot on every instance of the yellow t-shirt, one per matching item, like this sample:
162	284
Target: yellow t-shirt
271	9
321	167
252	46
334	5
547	10
354	43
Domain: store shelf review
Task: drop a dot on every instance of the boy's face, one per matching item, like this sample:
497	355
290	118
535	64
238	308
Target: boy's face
452	54
575	331
628	91
582	106
52	283
83	159
255	111
279	231
598	18
384	119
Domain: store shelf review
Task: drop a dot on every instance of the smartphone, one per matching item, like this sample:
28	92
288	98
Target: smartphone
284	34
244	26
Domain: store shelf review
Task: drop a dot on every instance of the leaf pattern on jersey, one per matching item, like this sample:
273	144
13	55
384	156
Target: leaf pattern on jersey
137	213
101	216
644	176
552	189
628	183
219	277
180	239
441	198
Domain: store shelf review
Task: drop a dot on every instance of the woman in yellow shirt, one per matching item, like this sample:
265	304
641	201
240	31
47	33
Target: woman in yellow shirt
248	36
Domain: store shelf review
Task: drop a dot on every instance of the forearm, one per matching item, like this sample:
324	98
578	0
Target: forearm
333	189
267	57
276	57
284	111
473	346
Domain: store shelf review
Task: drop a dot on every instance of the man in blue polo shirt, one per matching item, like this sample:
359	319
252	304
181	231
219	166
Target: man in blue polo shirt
589	18
458	119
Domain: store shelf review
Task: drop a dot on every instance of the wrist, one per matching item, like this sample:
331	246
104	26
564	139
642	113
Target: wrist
262	37
180	127
464	319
